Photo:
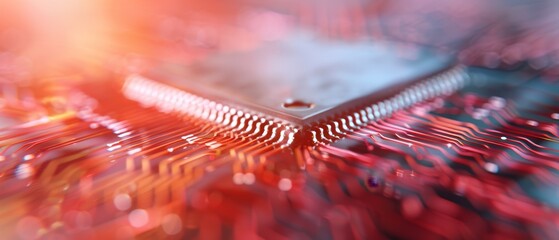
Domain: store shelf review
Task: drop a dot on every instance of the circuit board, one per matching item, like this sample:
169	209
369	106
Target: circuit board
480	162
245	119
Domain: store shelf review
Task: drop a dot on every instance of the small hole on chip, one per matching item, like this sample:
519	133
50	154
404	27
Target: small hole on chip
297	105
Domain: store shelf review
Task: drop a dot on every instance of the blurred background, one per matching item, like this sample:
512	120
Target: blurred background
56	37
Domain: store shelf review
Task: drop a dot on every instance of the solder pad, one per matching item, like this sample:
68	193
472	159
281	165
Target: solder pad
303	83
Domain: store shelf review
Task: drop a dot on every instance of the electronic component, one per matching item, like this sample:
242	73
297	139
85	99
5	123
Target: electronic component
302	83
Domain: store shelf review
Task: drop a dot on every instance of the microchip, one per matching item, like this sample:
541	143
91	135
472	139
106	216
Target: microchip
303	81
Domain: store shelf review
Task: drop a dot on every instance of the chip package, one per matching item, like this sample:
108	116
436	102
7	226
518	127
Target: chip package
304	83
